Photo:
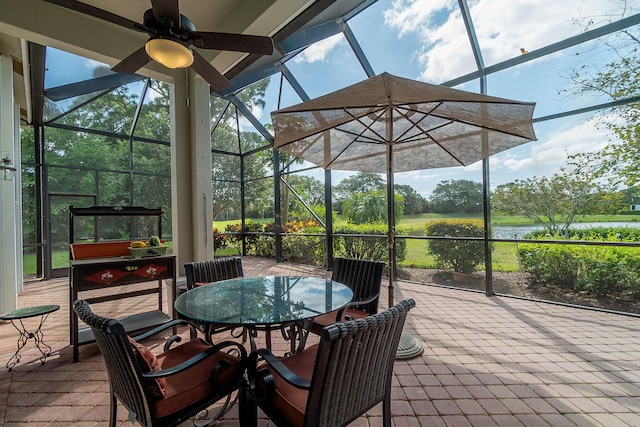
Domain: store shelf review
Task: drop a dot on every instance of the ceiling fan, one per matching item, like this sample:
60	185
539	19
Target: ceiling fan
171	38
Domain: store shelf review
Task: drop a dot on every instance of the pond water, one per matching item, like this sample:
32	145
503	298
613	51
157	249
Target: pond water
514	232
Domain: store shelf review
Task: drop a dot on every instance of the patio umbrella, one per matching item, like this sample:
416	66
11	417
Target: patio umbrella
392	124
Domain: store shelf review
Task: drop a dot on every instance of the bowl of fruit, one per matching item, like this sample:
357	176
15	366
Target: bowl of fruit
153	247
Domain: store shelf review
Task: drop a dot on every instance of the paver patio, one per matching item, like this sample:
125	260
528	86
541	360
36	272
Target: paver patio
487	362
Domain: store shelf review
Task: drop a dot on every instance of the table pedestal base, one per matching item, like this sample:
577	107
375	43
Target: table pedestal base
297	334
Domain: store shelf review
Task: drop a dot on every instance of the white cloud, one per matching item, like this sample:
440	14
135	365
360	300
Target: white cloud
319	51
411	15
502	28
548	157
91	64
544	157
245	124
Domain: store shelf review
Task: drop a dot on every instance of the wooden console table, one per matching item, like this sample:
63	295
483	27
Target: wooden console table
107	273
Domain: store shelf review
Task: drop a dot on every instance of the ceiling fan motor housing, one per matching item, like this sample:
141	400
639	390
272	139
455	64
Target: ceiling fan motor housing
167	26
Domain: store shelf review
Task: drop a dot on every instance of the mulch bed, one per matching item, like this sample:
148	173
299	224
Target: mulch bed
521	285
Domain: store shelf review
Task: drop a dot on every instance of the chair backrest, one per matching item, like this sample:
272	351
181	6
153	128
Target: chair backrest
354	366
124	371
364	277
213	270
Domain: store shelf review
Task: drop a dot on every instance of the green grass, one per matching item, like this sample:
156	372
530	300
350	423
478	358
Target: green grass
504	254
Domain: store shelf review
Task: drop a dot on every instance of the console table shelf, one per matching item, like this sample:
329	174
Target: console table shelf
113	275
104	271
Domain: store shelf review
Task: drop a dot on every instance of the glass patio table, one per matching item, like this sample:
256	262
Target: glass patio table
288	303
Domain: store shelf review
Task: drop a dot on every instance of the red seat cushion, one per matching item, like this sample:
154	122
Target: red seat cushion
330	318
149	363
289	400
194	383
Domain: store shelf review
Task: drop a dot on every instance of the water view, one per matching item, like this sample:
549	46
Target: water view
516	232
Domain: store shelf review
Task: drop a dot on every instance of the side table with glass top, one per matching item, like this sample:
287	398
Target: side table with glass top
17	320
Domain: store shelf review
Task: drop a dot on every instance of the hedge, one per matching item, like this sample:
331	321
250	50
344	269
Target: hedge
598	270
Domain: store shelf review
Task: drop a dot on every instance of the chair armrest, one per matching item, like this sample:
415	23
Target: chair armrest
196	359
163	327
275	363
353	303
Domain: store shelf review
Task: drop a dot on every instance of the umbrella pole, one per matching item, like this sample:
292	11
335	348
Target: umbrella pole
391	219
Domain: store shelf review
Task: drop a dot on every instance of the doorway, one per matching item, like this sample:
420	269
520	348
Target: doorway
56	253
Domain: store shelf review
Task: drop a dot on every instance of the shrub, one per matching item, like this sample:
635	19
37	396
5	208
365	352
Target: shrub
250	240
462	255
265	246
626	234
295	247
220	240
599	270
553	264
233	236
372	248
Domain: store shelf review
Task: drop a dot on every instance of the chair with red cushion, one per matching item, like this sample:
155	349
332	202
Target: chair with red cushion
170	388
334	382
364	277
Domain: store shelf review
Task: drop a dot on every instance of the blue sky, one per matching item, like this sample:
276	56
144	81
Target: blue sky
426	40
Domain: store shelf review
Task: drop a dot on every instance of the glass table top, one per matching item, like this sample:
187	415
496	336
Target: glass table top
23	313
263	300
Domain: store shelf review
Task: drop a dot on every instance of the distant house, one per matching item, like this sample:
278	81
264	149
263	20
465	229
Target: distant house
634	207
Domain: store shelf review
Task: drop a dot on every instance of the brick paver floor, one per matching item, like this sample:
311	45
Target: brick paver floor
487	362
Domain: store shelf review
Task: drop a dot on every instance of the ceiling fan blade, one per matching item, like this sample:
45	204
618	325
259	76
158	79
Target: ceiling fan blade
133	62
166	9
87	9
216	80
235	42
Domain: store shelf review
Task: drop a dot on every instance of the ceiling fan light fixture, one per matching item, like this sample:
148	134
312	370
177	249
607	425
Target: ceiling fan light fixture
169	52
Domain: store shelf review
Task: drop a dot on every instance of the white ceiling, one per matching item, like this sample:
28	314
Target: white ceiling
55	26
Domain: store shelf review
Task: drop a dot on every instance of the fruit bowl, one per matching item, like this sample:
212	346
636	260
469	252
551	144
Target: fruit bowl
148	251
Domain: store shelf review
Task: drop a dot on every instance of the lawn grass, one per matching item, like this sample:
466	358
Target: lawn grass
504	254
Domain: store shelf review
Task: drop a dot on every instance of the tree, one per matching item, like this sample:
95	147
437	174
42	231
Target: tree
371	207
310	190
414	203
554	202
88	153
233	148
618	80
630	196
456	196
362	182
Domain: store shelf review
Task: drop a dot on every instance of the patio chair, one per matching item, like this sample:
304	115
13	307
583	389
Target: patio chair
201	273
167	389
364	277
335	381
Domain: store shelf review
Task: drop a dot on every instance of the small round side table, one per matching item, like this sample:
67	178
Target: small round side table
16	317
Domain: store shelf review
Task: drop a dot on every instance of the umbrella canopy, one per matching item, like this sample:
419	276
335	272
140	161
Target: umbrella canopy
389	123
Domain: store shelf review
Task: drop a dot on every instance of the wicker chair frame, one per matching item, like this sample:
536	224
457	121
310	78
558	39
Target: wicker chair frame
352	371
213	270
210	271
127	381
364	277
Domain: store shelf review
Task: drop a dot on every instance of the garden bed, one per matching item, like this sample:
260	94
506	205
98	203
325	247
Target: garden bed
521	285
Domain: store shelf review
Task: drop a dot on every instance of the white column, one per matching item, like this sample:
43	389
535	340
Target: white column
191	171
10	243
